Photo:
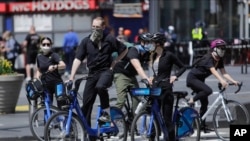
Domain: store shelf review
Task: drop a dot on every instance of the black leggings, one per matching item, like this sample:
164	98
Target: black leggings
202	90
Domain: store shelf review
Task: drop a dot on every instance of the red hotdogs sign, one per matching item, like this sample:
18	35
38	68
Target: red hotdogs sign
45	6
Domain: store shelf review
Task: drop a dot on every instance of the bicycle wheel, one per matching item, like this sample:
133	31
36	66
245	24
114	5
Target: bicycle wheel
188	125
239	114
55	128
140	128
38	120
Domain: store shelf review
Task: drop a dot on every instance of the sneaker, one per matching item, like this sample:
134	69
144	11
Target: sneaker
105	117
28	79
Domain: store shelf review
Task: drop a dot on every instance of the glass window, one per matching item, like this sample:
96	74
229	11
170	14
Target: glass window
20	37
81	22
61	22
58	39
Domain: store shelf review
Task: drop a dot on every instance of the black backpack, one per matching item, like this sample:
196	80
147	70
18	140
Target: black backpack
17	47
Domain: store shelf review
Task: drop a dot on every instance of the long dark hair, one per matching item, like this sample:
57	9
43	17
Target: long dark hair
45	38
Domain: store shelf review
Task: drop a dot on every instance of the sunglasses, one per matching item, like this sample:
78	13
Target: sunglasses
46	44
222	48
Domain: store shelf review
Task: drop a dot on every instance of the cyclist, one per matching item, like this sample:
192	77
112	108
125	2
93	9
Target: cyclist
206	66
127	69
98	48
49	62
160	67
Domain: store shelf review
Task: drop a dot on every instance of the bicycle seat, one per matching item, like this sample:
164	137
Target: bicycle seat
180	94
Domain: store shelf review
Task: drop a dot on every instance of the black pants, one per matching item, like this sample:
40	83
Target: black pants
96	84
202	90
166	102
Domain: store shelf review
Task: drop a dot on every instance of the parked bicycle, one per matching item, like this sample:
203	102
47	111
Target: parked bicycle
150	125
226	112
72	124
37	91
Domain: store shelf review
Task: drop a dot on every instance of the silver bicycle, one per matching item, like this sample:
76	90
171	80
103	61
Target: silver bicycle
227	112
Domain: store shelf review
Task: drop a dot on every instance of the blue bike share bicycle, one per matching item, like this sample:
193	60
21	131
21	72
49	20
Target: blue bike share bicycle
149	124
72	125
37	91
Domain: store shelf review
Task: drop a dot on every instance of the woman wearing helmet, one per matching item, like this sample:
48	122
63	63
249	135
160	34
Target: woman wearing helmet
160	67
206	66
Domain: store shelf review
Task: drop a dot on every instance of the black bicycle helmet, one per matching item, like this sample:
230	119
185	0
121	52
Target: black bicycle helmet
159	38
145	37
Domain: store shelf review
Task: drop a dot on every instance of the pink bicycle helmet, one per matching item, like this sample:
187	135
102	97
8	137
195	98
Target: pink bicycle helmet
217	42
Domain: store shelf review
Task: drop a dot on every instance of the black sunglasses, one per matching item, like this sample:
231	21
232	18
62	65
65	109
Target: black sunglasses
222	47
46	44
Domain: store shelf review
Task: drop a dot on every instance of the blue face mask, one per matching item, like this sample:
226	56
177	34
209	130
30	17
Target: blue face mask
141	49
149	47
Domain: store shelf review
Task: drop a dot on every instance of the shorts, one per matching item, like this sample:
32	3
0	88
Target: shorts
31	57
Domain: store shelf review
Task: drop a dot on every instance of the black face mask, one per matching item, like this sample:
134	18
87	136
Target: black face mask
96	35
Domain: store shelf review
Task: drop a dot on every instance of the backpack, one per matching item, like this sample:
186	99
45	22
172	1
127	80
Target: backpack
17	47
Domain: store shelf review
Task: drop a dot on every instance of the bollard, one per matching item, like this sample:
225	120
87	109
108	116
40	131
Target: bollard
32	107
190	52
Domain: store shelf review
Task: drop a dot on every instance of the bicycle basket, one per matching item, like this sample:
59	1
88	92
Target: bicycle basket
146	91
34	89
61	92
185	121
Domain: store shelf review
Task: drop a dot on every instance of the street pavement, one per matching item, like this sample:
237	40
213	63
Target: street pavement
15	126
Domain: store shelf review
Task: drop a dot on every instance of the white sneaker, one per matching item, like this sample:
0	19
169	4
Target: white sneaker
28	79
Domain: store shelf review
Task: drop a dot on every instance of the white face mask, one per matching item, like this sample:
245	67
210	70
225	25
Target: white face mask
219	52
45	49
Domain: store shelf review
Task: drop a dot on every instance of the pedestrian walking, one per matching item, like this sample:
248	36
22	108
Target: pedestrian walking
31	45
70	43
12	48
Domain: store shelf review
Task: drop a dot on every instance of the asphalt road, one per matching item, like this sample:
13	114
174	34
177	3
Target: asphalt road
15	126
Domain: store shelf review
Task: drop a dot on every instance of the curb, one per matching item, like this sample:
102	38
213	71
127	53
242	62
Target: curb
22	108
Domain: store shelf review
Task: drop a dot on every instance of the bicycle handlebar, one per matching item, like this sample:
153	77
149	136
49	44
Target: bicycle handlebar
77	83
230	84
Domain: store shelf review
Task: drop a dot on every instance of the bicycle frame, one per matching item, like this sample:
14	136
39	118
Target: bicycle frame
156	113
91	131
219	99
47	103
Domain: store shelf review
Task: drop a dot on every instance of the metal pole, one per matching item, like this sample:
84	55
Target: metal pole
241	12
246	20
154	16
